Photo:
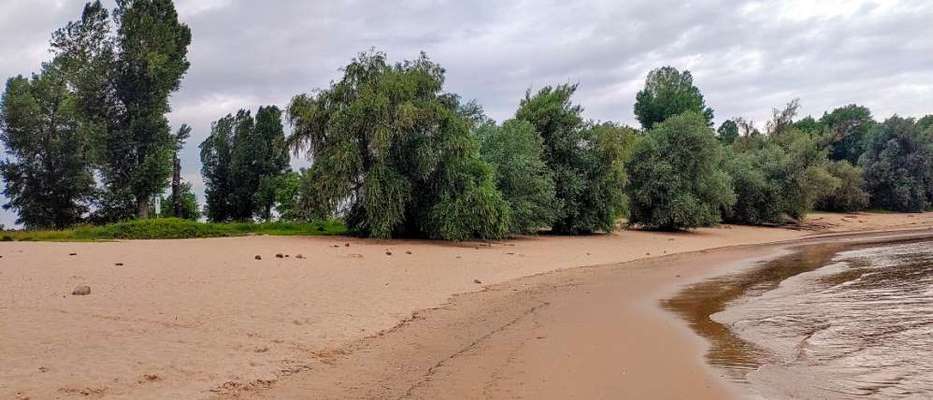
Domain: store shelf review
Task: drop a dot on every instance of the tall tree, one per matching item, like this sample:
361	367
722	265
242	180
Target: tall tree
899	166
269	158
184	132
676	176
728	132
48	176
394	154
669	92
589	181
847	132
123	78
216	156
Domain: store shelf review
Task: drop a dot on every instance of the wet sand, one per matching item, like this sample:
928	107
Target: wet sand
197	319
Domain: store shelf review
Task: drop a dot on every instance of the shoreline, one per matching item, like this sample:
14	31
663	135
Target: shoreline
202	319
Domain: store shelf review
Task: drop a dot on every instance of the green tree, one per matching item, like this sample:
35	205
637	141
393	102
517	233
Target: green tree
268	158
176	200
288	195
676	178
393	154
48	177
516	153
669	92
899	166
123	78
216	157
186	206
728	132
850	195
584	160
847	130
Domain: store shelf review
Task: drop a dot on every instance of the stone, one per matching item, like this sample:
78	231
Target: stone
258	257
82	290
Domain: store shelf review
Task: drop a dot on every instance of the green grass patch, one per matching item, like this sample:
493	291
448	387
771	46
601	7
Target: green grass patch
173	228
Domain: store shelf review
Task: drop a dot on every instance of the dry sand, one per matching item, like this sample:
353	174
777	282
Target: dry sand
193	319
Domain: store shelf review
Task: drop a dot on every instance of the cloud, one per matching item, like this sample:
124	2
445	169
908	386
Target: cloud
746	56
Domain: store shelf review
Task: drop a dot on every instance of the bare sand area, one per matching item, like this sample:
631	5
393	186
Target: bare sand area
193	319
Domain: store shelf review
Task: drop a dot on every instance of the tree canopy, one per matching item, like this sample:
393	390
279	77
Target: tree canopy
899	166
676	176
669	92
392	153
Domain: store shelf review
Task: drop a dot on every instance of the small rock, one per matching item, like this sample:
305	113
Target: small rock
43	369
408	252
287	256
336	246
678	275
388	253
279	255
119	264
82	290
346	244
477	281
299	256
72	254
647	254
258	257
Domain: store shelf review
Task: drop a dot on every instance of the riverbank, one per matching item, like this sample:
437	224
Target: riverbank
203	318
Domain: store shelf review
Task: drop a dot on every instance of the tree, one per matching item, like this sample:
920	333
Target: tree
847	131
850	195
123	79
177	206
186	206
669	92
899	166
676	179
216	156
393	154
288	195
783	120
728	132
48	177
267	159
586	161
516	152
809	125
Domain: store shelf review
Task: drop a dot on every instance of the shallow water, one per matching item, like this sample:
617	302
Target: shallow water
823	324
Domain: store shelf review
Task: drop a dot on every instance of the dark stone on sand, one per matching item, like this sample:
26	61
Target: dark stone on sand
477	281
299	256
119	264
279	255
258	257
72	254
408	252
388	253
82	290
346	244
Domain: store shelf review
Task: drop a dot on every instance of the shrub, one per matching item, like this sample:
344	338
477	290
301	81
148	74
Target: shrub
676	177
899	166
850	195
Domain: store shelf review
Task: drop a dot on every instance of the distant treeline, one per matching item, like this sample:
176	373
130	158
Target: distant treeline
393	154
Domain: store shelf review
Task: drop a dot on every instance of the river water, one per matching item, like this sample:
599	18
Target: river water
828	322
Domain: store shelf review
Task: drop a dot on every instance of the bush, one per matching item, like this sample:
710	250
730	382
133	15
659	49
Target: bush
394	154
676	177
586	161
174	228
849	196
515	151
899	166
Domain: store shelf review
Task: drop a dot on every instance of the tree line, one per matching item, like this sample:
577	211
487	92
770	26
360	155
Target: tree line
394	154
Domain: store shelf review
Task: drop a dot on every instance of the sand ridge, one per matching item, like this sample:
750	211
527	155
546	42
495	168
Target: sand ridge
193	318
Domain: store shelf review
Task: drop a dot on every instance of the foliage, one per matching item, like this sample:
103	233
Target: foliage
174	228
123	78
586	161
850	195
669	92
186	206
516	153
48	177
899	166
847	130
728	132
394	154
676	178
242	160
287	193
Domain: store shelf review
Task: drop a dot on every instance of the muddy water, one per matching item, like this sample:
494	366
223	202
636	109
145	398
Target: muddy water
828	322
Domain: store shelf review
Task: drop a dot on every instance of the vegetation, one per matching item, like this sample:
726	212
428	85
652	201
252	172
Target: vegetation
676	176
174	228
393	154
586	161
669	92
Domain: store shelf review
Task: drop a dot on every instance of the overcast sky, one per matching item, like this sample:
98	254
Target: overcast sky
746	57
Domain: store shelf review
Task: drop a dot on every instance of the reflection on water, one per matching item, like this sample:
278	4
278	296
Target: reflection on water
824	323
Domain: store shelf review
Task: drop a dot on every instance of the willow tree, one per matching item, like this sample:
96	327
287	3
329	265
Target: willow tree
392	153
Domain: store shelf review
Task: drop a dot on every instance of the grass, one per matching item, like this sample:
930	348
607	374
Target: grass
173	228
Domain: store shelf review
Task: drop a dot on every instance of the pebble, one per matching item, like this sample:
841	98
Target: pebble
82	290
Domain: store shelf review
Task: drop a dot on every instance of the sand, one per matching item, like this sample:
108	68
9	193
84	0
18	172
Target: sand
194	319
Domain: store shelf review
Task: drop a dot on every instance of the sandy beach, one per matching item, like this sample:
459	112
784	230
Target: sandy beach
351	318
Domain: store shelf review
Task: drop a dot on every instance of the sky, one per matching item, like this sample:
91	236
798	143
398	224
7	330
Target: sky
747	57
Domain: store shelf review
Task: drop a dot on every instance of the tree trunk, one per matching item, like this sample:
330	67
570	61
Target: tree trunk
176	187
142	208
